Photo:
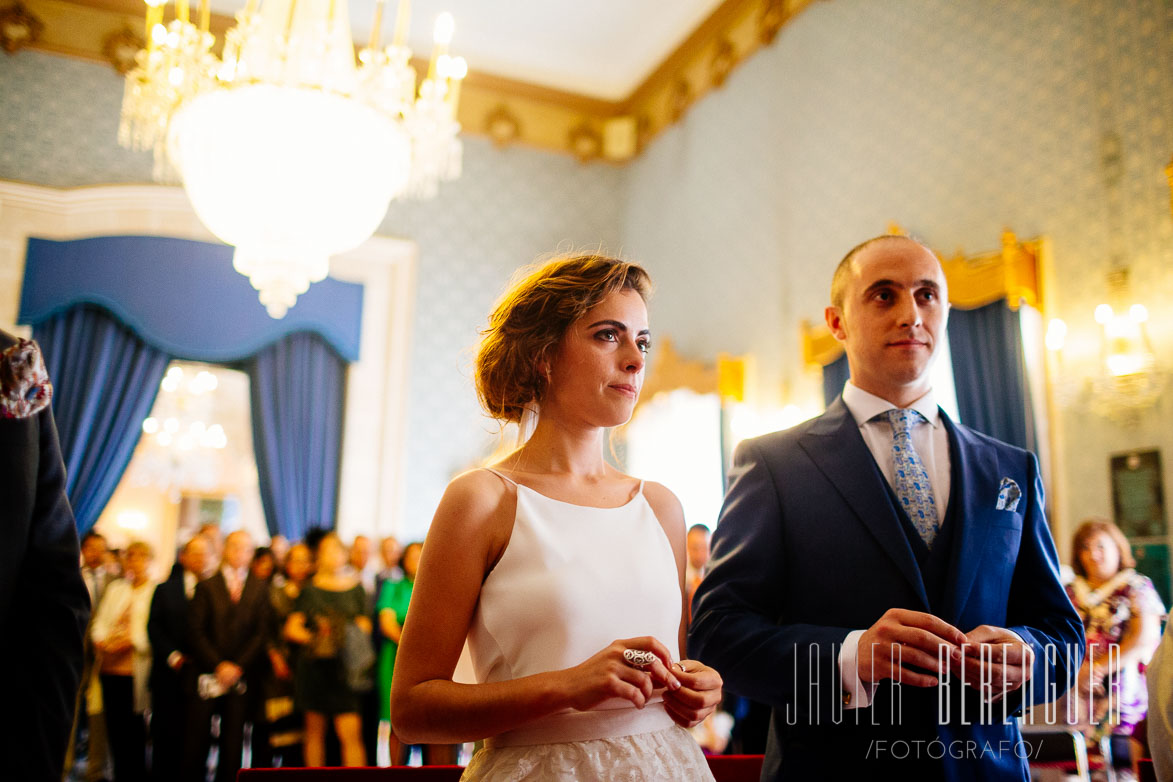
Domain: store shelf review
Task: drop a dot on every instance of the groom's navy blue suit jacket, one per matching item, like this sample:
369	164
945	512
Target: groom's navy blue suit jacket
810	546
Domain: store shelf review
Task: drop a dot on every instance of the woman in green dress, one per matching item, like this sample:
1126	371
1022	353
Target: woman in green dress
391	610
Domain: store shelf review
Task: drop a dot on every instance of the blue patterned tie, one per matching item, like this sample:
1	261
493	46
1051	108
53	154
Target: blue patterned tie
912	480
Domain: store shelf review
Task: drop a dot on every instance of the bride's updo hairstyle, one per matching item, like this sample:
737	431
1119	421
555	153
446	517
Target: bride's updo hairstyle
528	322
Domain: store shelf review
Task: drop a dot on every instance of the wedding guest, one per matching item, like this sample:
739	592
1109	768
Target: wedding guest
391	611
1121	615
124	662
698	559
229	612
511	560
173	685
89	701
264	564
330	601
287	723
215	537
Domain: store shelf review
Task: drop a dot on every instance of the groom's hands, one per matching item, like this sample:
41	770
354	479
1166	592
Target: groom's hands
906	646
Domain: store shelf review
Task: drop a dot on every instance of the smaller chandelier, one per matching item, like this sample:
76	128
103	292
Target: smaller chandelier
1129	378
289	148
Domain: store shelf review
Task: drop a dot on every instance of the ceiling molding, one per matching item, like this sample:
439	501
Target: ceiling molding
539	116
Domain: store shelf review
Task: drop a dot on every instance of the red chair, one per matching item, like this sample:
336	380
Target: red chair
736	768
392	774
726	768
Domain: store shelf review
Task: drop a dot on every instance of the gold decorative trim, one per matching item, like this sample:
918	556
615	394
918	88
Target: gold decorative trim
19	28
1011	273
540	117
670	371
121	48
1014	273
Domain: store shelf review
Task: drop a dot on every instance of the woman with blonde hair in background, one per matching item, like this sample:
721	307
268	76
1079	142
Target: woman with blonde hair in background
546	559
124	661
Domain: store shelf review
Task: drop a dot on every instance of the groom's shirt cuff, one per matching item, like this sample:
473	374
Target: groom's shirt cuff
856	694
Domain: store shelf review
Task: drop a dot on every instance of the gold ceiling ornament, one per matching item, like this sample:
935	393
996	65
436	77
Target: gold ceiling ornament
668	371
724	58
679	99
774	16
1169	176
502	126
121	49
585	142
289	146
1011	273
19	28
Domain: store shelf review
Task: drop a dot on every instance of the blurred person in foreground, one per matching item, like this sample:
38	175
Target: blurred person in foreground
44	607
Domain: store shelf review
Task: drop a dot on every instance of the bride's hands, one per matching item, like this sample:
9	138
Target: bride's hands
699	695
605	675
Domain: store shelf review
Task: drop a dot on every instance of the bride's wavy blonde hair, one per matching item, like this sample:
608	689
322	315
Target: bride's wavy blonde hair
530	320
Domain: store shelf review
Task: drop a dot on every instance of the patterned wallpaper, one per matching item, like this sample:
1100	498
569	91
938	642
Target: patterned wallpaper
954	120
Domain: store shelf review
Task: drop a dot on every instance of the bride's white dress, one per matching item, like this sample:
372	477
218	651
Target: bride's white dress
572	580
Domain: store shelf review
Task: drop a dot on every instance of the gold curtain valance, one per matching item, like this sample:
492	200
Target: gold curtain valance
1013	273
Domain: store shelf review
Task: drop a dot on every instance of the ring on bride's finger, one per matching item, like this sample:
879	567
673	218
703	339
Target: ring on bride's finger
680	665
638	658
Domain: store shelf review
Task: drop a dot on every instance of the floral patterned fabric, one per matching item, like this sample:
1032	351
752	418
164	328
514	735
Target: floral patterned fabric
1106	613
669	754
24	382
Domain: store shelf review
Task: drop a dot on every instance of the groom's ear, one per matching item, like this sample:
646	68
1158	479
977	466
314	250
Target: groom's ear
834	317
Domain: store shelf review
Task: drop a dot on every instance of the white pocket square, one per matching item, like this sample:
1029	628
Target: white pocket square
1008	495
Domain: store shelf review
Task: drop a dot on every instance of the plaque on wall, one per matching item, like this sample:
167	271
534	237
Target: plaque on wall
1138	495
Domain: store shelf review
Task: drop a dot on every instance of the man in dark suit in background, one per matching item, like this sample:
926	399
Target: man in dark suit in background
44	606
173	686
229	616
865	560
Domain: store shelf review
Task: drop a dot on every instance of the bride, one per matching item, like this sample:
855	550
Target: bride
546	559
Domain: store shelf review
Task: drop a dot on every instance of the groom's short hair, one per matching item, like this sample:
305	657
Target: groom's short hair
843	270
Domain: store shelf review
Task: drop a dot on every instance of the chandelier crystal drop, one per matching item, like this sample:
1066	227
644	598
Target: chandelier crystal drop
289	148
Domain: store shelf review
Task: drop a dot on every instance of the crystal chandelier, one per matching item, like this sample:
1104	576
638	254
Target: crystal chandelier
183	447
1128	377
289	149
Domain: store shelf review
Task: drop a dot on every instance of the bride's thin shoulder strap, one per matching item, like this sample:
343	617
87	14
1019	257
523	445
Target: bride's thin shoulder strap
503	477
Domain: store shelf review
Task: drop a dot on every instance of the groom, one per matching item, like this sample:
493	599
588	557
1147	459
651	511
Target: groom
883	577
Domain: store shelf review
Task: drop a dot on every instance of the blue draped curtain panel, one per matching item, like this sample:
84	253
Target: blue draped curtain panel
104	382
297	386
989	371
835	377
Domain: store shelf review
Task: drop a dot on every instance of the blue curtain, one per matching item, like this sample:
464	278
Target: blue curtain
835	376
104	382
989	370
297	386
